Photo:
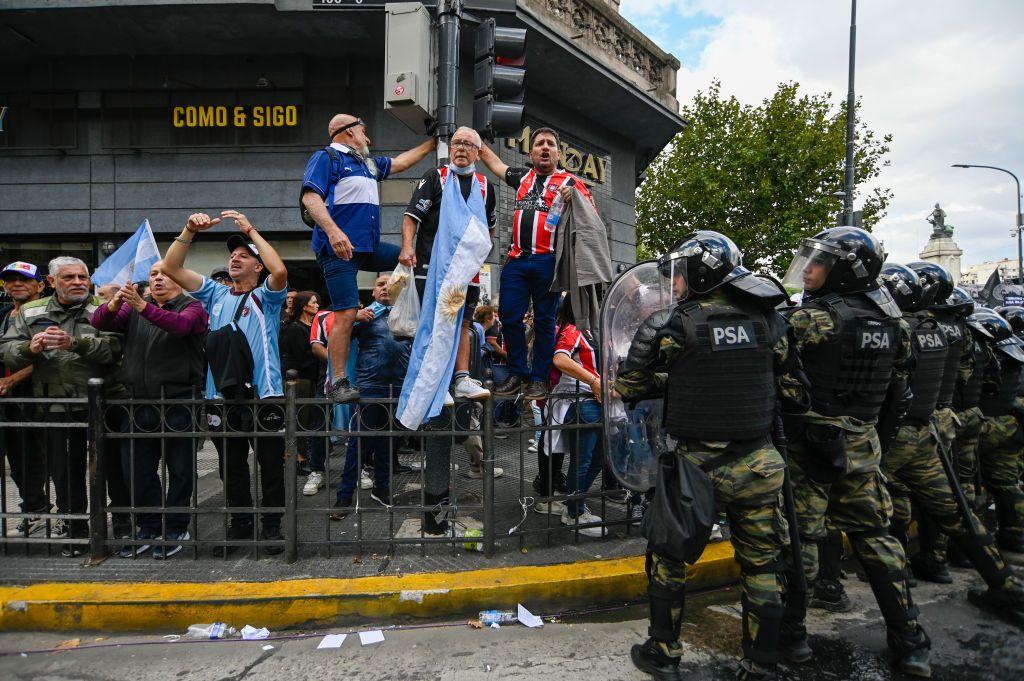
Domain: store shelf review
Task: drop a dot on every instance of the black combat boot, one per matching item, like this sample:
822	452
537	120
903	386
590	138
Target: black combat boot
927	568
751	671
1009	535
911	650
792	632
435	518
651	659
1004	597
828	593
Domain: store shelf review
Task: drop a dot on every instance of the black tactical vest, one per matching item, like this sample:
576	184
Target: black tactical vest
722	387
1001	403
970	393
930	350
156	361
957	338
850	372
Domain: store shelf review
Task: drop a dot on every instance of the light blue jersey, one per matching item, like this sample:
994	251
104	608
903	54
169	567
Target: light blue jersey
260	321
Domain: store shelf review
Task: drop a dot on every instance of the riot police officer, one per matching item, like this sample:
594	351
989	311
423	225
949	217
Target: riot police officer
854	348
929	563
914	462
999	449
722	346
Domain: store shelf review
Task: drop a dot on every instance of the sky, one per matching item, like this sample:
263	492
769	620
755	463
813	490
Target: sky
943	76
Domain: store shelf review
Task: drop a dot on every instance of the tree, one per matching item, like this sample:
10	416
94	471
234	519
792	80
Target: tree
763	175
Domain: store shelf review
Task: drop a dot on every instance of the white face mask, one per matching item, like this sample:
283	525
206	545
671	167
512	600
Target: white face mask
468	170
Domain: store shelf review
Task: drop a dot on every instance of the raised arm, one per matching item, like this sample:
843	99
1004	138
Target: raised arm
493	163
271	260
407	159
174	261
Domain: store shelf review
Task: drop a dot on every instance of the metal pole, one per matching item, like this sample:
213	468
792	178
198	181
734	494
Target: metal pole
291	539
488	471
1020	219
97	477
448	68
851	120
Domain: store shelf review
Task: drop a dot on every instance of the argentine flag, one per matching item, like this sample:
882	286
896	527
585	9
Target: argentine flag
131	262
460	248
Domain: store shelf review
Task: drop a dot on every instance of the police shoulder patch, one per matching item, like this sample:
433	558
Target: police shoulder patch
732	335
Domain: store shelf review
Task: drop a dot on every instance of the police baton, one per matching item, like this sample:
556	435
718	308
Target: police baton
954	484
789	505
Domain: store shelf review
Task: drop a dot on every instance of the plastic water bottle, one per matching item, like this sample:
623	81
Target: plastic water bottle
555	214
488	617
215	630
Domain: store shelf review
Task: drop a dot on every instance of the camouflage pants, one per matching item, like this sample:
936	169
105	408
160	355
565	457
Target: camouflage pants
914	461
859	505
999	456
964	448
747	491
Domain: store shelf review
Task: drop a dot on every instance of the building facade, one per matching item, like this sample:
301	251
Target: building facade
978	275
116	112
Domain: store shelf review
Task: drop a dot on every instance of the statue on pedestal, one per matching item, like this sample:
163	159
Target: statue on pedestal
938	222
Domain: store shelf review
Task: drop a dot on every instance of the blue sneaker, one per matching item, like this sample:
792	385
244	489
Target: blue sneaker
166	551
129	550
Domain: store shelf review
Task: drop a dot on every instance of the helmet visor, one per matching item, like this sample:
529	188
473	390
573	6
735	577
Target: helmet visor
810	267
1011	347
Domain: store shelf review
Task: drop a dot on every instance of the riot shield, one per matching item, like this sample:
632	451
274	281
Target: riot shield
633	435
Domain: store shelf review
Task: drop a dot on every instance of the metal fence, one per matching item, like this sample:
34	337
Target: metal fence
101	475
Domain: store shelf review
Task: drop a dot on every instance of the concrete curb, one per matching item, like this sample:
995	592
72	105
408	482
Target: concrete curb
105	606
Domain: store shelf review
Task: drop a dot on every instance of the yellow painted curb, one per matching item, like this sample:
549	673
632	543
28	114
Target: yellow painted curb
106	606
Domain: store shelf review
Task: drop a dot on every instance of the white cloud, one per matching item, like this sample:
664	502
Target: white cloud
942	76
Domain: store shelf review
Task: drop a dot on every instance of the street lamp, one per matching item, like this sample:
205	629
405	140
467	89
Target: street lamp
1020	222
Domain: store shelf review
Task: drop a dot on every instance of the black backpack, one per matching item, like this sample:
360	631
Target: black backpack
230	357
335	157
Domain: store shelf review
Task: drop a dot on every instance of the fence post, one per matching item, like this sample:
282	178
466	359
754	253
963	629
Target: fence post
291	539
488	471
97	474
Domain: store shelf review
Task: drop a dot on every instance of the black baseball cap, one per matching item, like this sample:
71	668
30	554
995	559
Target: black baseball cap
236	240
220	272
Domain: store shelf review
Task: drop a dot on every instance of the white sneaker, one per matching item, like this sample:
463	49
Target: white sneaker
583	519
479	475
471	388
532	442
552	507
365	481
532	448
314	482
449	401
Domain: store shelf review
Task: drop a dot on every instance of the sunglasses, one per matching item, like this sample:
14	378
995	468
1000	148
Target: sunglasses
358	121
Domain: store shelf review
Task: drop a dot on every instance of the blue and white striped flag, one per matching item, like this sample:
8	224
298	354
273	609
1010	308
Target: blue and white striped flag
460	248
131	262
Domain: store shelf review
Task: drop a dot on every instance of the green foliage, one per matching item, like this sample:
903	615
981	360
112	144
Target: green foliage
764	175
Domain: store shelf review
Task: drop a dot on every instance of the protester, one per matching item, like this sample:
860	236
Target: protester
164	337
221	276
576	359
297	355
107	292
286	313
54	336
380	368
530	269
246	316
23	283
339	191
422	217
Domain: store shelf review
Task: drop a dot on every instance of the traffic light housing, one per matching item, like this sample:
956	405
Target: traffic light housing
499	79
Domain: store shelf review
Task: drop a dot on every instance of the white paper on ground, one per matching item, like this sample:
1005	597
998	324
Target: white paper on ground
332	641
527	618
371	637
250	633
268	647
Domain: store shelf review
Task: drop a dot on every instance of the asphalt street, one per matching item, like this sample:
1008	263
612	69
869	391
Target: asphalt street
967	645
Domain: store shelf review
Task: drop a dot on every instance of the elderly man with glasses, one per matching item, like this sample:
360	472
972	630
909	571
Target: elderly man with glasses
339	193
420	226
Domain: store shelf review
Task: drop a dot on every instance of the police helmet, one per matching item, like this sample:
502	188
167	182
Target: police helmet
904	285
989	324
1014	314
936	282
705	259
958	302
852	258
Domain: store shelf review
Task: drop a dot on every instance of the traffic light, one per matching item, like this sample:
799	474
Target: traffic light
499	79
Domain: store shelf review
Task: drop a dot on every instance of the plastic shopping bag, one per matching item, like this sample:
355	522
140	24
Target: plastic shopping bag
405	311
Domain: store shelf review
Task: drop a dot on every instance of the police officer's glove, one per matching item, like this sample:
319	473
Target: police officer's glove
432	124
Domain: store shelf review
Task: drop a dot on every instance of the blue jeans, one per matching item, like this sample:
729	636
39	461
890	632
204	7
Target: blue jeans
524	279
586	455
374	448
340	275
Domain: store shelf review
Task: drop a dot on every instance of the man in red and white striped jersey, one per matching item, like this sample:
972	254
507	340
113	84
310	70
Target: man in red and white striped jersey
530	268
